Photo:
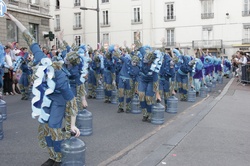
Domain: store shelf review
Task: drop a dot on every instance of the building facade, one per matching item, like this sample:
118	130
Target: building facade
220	26
34	14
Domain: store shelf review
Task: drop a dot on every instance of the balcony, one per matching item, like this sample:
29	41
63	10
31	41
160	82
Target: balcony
170	44
75	27
207	15
77	4
136	21
169	18
246	13
207	44
58	28
103	25
246	41
27	7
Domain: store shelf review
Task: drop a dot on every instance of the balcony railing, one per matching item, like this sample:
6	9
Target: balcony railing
105	24
136	21
58	28
246	41
170	44
207	15
75	27
169	18
246	13
77	4
35	8
207	44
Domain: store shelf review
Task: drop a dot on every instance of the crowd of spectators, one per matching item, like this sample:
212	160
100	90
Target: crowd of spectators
10	77
240	60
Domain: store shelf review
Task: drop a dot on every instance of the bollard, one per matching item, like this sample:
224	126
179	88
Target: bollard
3	109
191	96
172	103
158	111
114	96
100	92
209	86
84	122
203	91
135	105
213	84
73	152
1	127
220	79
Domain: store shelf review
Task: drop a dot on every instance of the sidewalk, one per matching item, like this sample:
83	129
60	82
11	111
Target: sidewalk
213	132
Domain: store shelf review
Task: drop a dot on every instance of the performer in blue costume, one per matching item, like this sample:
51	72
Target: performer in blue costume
53	99
149	84
165	75
198	75
25	80
95	73
184	73
128	78
109	73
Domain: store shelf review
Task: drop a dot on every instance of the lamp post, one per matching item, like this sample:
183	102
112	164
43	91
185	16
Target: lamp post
97	9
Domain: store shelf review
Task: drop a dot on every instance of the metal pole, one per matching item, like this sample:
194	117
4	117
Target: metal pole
98	23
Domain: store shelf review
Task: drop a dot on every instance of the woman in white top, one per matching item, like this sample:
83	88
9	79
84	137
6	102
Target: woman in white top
8	73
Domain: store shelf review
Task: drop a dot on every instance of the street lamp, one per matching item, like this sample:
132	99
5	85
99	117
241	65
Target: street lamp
97	9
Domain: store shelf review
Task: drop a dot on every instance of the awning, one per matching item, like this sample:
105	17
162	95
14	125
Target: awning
241	45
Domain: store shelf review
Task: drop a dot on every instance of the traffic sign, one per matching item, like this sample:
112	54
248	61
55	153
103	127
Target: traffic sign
3	8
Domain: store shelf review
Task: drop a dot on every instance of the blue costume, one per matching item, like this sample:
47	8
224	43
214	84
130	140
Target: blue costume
25	79
184	72
208	68
165	75
128	78
109	73
95	73
148	82
51	94
198	75
217	68
227	66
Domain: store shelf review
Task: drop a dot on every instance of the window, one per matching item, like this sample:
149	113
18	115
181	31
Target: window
246	8
207	36
33	29
169	12
170	37
105	39
246	34
105	1
77	3
57	23
78	39
12	31
36	2
105	16
57	4
77	21
137	15
137	37
207	9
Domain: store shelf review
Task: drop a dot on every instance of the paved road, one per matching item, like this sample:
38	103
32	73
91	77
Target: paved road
113	134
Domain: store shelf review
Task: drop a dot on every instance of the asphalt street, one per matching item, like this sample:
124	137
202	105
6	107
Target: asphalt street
113	134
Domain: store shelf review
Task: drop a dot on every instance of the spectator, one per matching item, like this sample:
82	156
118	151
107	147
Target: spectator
22	51
8	73
46	52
